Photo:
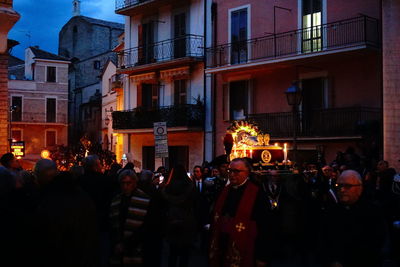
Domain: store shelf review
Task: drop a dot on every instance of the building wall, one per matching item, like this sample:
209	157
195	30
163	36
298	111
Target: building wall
4	103
34	93
174	139
262	14
391	81
353	81
93	43
109	101
164	21
92	39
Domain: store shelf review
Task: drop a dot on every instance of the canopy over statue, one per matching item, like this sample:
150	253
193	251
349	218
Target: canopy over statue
244	139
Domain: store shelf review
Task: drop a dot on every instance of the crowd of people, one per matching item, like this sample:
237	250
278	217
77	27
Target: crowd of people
341	214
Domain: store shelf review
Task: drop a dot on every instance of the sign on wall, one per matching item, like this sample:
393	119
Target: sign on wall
18	149
161	139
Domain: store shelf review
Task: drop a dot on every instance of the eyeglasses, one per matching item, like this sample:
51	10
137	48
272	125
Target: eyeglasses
235	171
346	186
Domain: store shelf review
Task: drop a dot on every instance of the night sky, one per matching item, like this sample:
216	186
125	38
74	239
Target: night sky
41	21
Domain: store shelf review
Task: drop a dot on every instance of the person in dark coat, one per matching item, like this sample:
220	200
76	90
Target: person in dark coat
154	225
100	190
180	220
238	223
285	223
354	231
63	229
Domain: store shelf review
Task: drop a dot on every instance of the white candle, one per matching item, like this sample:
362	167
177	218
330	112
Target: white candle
251	153
285	153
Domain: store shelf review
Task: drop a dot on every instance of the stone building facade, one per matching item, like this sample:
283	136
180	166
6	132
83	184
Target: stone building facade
88	43
38	95
391	81
8	17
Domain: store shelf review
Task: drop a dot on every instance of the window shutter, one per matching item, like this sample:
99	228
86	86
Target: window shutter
250	103
140	43
330	93
225	102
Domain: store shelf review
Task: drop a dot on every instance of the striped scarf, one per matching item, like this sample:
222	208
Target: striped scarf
130	232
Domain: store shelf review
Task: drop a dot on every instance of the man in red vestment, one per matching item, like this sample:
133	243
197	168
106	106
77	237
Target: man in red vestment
240	210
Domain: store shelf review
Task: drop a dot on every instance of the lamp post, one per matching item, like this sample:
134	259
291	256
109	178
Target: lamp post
294	96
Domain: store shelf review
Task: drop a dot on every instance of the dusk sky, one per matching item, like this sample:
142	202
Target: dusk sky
41	21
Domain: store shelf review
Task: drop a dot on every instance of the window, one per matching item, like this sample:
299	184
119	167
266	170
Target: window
150	94
16	108
96	64
180	92
16	135
180	35
146	43
312	20
239	36
238	99
313	102
51	74
50	110
50	138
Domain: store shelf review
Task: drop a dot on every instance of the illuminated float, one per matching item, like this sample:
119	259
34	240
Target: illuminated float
244	140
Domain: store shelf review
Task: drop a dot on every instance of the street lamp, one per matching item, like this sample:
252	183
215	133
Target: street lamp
294	96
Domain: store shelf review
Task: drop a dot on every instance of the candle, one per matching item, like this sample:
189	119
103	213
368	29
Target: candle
285	153
251	153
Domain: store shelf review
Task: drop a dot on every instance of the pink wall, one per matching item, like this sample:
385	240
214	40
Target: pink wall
262	14
355	80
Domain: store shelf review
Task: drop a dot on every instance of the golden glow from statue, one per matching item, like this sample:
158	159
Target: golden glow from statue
247	138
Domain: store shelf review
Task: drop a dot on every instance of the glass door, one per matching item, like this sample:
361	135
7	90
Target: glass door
312	30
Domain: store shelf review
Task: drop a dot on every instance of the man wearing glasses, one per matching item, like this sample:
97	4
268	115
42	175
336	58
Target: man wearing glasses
354	230
239	211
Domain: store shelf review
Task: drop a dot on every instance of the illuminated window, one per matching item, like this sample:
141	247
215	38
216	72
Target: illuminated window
312	20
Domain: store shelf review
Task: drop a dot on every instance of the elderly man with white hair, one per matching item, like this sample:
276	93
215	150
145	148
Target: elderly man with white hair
354	231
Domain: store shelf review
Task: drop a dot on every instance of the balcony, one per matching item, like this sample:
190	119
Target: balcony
134	7
332	37
189	115
116	82
335	122
182	49
38	118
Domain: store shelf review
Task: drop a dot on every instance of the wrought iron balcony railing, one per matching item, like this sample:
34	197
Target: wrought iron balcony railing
116	82
332	36
121	4
335	122
186	46
189	115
